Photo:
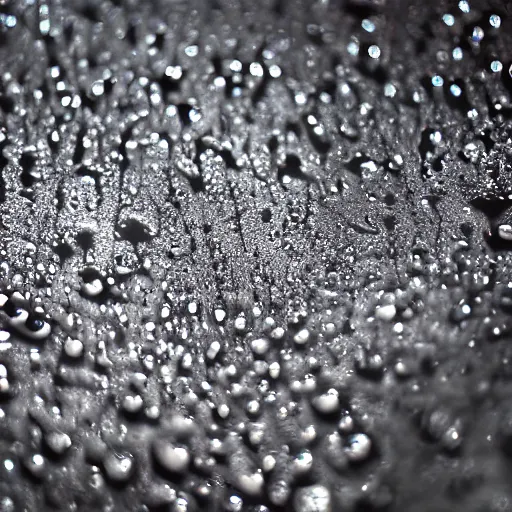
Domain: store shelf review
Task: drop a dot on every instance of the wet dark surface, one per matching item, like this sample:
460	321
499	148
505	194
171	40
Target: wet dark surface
255	256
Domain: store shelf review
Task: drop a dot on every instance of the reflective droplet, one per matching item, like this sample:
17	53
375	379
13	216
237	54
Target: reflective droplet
171	457
132	404
36	465
251	484
301	337
437	81
374	51
279	492
505	232
359	447
328	402
473	150
386	313
368	25
495	20
192	51
260	346
496	66
73	348
303	462
457	53
94	288
174	72
255	69
274	71
7	20
353	48
464	6
315	498
455	90
449	19
58	442
98	88
477	35
389	90
118	467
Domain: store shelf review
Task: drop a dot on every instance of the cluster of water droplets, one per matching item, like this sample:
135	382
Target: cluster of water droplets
245	268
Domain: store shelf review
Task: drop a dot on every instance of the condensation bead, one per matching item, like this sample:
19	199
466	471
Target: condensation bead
315	498
171	457
358	447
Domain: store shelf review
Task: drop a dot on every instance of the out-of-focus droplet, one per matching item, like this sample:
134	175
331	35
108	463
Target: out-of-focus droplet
374	51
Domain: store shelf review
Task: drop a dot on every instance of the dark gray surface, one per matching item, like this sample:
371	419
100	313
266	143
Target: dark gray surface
247	266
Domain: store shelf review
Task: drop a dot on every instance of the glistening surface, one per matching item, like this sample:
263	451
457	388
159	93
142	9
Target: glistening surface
255	256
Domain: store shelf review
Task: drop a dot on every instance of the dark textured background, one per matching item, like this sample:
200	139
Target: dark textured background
246	266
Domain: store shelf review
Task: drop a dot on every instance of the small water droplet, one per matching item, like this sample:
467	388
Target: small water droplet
477	35
315	498
496	66
368	25
437	81
449	19
464	6
457	53
359	447
374	51
495	20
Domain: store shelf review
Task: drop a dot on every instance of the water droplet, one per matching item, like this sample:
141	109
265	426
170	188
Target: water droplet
472	150
477	35
194	115
220	315
495	20
73	348
301	337
274	370
327	403
256	69
301	98
457	53
374	51
192	50
359	447
389	90
279	492
315	498
36	465
274	71
455	90
464	6
353	48
259	346
386	313
437	81
251	484
303	462
496	66
7	20
368	25
118	467
449	19
174	72
235	504
461	312
505	232
98	88
132	404
58	442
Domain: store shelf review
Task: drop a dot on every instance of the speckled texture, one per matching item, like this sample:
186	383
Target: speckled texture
255	256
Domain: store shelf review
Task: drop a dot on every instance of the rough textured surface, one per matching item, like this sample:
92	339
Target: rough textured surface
255	255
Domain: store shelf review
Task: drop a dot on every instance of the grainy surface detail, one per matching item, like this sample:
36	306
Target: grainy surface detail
255	256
